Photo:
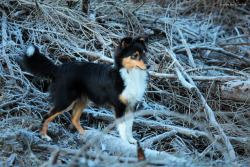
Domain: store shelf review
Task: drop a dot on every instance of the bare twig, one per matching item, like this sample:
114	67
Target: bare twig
186	84
149	142
208	110
190	56
217	49
4	43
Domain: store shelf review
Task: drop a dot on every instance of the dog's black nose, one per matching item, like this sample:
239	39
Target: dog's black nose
148	66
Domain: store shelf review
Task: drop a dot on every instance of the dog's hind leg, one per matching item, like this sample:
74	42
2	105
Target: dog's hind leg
49	117
77	111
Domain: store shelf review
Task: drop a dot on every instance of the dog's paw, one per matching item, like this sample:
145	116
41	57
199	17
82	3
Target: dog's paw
46	138
131	140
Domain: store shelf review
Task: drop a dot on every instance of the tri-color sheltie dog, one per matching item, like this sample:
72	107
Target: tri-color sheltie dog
74	84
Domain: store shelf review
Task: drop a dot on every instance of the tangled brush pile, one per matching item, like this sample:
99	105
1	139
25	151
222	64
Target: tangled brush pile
197	50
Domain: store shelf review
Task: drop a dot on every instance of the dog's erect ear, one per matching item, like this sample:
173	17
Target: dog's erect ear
142	40
125	42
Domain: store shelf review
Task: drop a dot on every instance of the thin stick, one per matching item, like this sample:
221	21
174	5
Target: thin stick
148	143
197	78
220	50
4	42
186	84
208	110
96	55
190	56
216	68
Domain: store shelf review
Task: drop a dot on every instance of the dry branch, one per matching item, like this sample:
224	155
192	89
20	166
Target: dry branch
117	146
186	84
92	154
208	110
197	78
149	142
139	121
4	43
236	90
219	69
70	34
190	56
149	123
217	49
95	55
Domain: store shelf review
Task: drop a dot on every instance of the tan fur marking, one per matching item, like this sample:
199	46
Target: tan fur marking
144	52
51	109
78	107
129	63
132	110
123	44
123	100
141	39
137	53
48	120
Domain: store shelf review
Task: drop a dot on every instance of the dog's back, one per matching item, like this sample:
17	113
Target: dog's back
98	82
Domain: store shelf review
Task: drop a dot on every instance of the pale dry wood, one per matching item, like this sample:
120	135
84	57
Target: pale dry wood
197	78
184	83
139	121
4	43
95	55
116	145
217	49
93	154
234	37
149	142
149	123
70	30
190	56
93	141
217	78
208	110
236	90
219	69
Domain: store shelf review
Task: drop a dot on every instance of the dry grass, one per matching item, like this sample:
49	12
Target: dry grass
208	39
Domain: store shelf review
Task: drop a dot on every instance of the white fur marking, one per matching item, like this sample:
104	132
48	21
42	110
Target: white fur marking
30	51
121	127
129	119
135	81
46	138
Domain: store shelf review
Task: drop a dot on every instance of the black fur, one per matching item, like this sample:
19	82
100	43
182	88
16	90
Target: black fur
100	83
130	48
39	65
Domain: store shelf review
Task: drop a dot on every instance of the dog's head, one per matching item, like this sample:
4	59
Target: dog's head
131	53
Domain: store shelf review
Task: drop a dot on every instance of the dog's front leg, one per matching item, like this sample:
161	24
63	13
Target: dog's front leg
121	127
129	119
125	118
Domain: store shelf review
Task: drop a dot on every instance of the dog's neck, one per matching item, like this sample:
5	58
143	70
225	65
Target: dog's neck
135	82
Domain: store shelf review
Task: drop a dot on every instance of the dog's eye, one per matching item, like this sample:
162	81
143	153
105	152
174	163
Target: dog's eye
135	57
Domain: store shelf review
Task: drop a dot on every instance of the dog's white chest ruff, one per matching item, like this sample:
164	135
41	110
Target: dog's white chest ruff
135	82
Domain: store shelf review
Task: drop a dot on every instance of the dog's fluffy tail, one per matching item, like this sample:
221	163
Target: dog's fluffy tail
37	64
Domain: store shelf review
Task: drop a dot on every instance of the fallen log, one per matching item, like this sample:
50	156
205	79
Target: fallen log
236	91
116	146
